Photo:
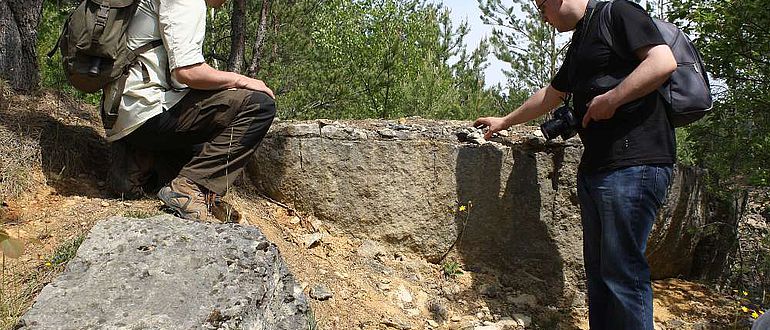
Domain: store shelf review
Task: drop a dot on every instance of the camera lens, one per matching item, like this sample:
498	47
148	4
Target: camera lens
553	128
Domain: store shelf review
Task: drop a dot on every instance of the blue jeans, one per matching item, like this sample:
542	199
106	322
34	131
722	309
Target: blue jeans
618	209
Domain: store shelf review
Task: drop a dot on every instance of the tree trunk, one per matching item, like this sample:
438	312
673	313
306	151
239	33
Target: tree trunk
18	35
256	53
238	39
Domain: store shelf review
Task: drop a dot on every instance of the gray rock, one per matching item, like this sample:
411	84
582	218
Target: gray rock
320	292
490	290
308	129
397	325
312	240
523	320
524	300
169	273
370	249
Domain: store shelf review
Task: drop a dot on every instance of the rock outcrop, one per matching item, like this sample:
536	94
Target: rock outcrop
403	183
169	273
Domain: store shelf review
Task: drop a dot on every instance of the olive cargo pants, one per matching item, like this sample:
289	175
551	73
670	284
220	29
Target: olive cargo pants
207	137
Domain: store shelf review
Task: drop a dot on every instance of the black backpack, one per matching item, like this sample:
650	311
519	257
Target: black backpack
687	91
93	47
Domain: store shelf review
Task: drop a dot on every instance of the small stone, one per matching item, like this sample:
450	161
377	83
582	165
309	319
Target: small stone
312	240
507	322
105	204
432	323
412	312
383	286
396	324
320	292
295	220
317	224
404	295
523	320
370	249
456	318
341	275
486	327
490	290
524	300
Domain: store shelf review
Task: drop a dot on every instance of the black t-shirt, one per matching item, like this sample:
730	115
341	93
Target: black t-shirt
639	132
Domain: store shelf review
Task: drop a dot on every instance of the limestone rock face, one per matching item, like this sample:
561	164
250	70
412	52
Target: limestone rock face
169	273
402	184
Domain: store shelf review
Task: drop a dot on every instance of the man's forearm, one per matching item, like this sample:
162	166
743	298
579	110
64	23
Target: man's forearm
202	76
535	106
657	65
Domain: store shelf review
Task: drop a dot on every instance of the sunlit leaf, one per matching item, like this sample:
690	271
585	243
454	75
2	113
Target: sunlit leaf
12	247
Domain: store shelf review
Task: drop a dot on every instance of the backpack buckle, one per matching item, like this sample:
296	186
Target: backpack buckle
101	21
103	14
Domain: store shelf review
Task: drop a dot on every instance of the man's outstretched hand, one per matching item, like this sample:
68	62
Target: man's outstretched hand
493	124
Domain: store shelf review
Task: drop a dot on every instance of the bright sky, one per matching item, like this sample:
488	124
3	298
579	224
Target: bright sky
469	10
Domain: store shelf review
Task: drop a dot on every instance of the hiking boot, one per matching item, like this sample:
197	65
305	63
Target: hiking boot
185	199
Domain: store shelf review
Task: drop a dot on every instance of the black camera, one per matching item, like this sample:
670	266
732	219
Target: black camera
563	123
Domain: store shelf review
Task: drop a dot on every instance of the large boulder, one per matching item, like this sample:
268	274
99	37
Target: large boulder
169	273
402	184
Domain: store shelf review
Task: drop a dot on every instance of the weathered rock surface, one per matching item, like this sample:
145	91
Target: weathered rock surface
401	184
169	273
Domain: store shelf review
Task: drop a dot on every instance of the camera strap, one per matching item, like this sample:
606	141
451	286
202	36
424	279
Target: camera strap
573	52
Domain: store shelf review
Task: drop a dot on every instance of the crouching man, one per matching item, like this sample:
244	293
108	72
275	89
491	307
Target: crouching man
183	112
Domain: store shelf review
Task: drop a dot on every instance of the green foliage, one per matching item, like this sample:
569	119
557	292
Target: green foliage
365	59
65	252
734	141
452	268
140	214
339	59
10	246
525	41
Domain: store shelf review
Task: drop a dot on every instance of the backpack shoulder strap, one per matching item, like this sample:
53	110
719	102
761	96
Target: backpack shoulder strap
605	22
134	54
605	32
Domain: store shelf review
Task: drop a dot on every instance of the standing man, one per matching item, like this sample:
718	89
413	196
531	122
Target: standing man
629	148
173	100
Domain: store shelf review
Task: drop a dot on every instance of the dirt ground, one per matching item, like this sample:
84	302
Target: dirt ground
370	287
384	291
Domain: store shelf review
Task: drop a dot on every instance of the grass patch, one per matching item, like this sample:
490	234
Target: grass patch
312	324
18	291
65	252
140	214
